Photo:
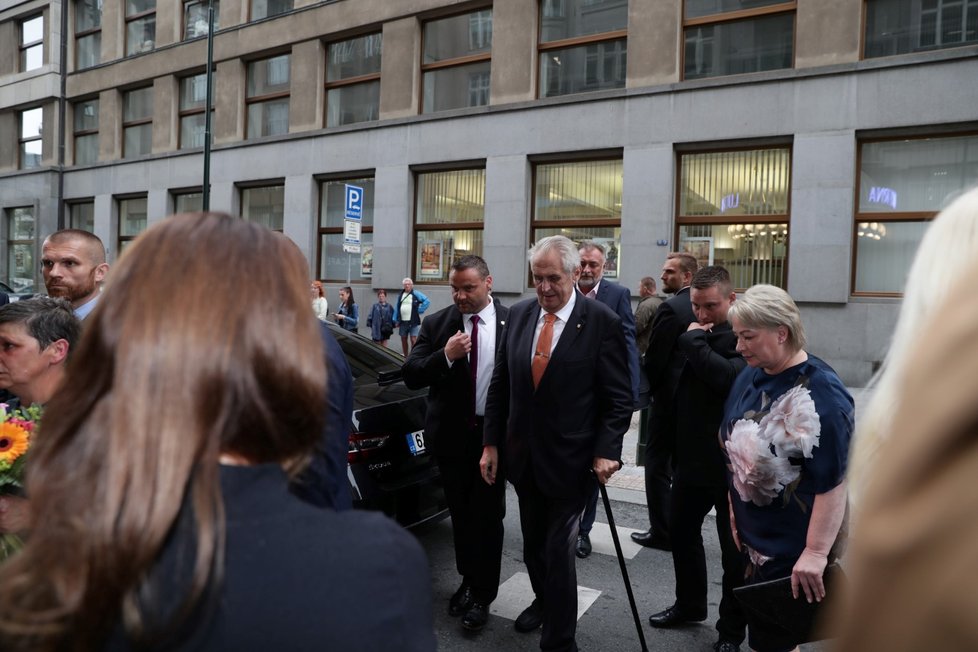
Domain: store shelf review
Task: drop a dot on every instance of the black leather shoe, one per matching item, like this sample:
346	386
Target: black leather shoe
725	646
674	616
461	601
583	546
476	617
649	540
531	618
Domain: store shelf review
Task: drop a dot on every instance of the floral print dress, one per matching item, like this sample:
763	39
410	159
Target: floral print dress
786	439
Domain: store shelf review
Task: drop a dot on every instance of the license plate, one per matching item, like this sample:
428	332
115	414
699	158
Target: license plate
415	442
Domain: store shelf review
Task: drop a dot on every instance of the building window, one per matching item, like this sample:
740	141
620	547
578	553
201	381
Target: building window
903	183
137	122
81	215
31	133
455	49
335	264
140	26
266	8
20	249
734	211
188	201
730	37
582	46
268	96
580	200
904	26
31	43
353	80
132	220
448	220
88	33
86	132
195	18
264	205
193	98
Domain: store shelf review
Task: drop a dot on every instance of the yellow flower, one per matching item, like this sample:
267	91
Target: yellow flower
14	441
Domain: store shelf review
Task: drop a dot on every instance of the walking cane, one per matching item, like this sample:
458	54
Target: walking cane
621	562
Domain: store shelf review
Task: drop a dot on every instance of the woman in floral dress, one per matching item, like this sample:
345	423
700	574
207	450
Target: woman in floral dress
786	430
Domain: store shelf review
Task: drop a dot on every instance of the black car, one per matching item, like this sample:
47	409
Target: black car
389	467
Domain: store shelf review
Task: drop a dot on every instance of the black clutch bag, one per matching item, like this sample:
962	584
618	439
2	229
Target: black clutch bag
772	603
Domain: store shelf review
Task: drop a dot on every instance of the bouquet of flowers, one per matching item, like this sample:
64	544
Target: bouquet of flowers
16	429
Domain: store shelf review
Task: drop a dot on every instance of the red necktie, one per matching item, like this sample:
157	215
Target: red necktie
542	354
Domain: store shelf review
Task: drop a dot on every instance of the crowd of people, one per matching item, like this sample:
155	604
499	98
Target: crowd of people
190	471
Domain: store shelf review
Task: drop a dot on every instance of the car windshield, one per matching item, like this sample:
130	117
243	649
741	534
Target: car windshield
366	358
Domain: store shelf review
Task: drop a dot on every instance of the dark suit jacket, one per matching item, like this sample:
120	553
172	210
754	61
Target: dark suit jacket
712	363
618	299
663	360
324	482
581	409
450	388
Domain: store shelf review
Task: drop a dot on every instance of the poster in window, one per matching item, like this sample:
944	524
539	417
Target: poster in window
431	258
610	256
366	260
701	248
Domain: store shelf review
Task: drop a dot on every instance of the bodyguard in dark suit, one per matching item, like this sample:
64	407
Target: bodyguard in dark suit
593	285
663	365
454	357
699	480
559	404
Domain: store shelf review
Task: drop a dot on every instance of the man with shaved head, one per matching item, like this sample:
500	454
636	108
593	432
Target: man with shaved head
73	265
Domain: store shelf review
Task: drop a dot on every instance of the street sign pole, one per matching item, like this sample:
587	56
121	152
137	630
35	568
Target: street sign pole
352	220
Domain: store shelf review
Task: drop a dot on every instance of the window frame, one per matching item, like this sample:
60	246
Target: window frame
454	62
260	184
73	205
349	81
79	133
571	42
12	242
139	122
177	193
864	36
184	113
680	220
251	11
91	31
267	97
123	240
185	23
740	15
417	172
896	216
131	18
23	140
24	47
345	177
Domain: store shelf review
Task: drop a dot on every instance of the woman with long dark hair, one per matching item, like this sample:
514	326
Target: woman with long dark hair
159	483
349	314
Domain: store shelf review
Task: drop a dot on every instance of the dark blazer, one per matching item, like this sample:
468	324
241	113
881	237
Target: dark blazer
712	364
619	299
581	409
450	388
663	360
324	482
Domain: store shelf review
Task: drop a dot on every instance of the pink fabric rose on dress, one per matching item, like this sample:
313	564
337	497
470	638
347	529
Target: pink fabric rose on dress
793	425
757	473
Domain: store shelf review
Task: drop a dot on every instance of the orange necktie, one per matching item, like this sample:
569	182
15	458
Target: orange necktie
542	355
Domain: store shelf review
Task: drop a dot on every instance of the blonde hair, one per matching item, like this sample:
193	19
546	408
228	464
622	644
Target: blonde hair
949	245
768	306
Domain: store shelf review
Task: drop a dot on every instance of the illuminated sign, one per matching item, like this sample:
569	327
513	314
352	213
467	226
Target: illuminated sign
887	196
730	201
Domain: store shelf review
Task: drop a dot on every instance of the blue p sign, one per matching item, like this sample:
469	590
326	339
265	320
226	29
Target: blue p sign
354	202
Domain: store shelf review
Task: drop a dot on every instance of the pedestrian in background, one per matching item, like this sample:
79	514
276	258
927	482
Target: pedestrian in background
320	305
172	527
380	321
648	303
410	305
348	315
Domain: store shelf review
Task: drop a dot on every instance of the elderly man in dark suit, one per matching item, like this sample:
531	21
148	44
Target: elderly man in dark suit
593	285
559	404
663	364
699	480
454	357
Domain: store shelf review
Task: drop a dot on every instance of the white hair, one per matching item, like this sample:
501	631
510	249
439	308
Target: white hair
570	257
948	246
407	279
